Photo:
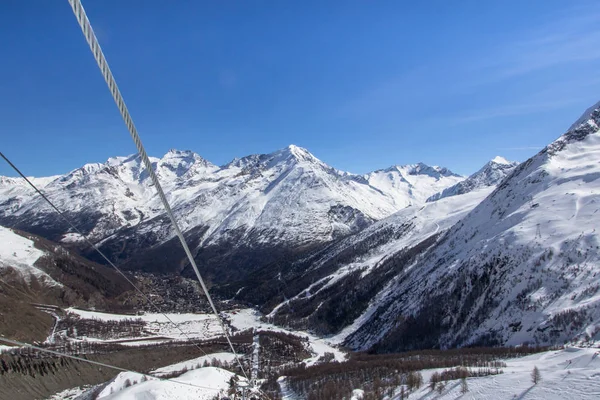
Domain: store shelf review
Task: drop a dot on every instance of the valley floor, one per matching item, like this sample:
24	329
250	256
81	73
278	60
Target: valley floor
200	327
570	373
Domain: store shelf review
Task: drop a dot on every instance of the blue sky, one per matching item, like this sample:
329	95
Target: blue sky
361	84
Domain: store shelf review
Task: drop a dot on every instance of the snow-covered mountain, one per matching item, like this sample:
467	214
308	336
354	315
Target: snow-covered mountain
287	198
415	179
522	266
511	257
491	174
316	293
100	198
407	257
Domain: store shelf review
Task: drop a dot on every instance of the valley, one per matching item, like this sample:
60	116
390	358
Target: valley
319	275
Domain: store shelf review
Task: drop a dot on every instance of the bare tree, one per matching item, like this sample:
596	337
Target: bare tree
440	387
435	378
535	375
414	380
464	387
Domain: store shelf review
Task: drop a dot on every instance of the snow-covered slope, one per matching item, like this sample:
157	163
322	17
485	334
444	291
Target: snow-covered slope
312	292
523	266
569	373
18	256
491	174
565	374
363	264
202	383
100	198
286	198
418	180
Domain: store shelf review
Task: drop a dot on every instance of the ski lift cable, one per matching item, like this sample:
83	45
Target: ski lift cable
95	247
92	41
100	364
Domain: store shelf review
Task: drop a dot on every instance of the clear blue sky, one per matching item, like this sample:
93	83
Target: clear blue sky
362	84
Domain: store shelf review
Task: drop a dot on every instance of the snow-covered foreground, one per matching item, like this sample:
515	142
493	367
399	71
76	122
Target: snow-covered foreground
202	383
573	373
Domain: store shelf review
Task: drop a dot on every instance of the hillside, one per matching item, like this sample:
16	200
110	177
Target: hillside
35	271
522	267
330	288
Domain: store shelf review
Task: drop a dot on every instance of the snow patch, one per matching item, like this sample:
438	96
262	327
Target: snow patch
19	254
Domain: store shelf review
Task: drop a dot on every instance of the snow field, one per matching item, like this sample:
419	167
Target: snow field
573	373
208	381
19	254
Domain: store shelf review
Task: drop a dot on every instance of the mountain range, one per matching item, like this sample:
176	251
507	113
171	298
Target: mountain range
408	257
273	204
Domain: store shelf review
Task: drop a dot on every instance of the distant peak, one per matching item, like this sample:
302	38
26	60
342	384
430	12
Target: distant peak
296	152
180	153
501	160
90	168
118	160
424	169
490	174
175	155
586	116
290	155
177	151
421	169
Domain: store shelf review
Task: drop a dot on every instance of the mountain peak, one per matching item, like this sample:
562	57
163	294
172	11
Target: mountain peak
501	160
299	153
424	169
421	169
586	116
587	124
181	154
491	174
175	153
290	154
184	157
